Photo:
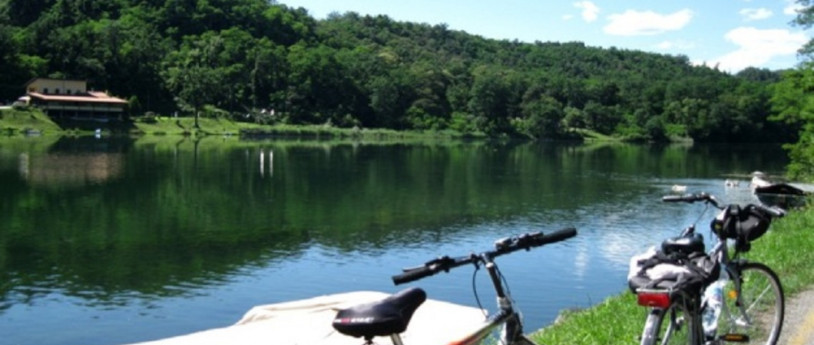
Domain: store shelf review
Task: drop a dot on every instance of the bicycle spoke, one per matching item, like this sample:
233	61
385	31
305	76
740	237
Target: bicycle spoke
758	299
757	309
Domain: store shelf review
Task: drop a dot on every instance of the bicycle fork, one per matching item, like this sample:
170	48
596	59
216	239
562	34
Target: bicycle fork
512	332
740	316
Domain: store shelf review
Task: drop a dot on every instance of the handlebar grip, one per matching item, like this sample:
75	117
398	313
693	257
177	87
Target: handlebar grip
677	198
775	212
412	275
559	235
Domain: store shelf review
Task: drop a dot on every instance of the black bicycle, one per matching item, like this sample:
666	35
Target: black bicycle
742	301
390	317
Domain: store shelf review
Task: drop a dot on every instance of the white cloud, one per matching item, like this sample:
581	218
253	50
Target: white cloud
589	10
675	45
757	47
567	17
755	13
636	23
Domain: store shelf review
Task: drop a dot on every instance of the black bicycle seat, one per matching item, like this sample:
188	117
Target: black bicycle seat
683	244
388	316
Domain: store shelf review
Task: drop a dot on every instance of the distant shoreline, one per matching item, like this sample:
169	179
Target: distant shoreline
27	121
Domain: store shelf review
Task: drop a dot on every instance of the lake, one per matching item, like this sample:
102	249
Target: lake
119	240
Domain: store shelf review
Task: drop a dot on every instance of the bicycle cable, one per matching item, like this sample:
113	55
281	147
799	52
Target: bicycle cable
475	291
700	216
505	282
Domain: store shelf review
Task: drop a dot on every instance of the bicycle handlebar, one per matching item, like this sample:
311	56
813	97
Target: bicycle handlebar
774	211
502	246
412	275
709	198
691	198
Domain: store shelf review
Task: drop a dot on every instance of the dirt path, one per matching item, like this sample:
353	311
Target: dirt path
798	327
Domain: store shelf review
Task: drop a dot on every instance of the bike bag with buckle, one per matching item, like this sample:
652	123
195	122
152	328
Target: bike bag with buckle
742	224
677	269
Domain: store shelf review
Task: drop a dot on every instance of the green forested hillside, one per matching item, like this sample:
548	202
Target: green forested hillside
243	58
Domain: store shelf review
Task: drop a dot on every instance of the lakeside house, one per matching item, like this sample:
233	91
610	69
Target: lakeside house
71	100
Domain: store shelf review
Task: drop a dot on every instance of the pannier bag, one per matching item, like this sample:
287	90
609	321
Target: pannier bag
654	269
743	225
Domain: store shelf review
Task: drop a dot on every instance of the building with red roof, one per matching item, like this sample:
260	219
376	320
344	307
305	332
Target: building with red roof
70	99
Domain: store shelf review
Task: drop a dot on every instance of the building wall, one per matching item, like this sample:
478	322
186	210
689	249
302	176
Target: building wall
57	86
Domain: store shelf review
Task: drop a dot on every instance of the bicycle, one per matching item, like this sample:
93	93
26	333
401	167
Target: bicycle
390	316
743	301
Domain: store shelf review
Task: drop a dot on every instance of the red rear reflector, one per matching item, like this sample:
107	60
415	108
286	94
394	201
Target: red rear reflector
735	338
657	299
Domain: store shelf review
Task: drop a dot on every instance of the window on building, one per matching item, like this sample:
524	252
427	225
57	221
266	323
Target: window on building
45	90
56	91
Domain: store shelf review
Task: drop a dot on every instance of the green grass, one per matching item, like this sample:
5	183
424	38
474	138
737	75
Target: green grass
617	320
590	135
786	248
186	126
330	132
16	121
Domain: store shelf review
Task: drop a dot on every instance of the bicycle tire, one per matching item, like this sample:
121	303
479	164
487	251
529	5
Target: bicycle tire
757	310
668	326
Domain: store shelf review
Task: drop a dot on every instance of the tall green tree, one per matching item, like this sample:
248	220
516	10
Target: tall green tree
195	73
490	99
793	101
542	116
805	19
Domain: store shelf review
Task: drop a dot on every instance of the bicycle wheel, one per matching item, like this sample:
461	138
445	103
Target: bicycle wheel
757	309
673	325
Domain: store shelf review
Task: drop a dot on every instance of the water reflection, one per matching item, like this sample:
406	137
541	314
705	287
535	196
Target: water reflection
70	170
263	158
141	230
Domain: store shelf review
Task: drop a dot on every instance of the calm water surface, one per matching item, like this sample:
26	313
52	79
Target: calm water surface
113	241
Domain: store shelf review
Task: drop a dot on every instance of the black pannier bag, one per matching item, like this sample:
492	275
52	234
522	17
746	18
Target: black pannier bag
743	225
753	223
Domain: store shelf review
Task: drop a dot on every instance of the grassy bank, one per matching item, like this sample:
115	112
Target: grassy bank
31	120
14	121
786	248
186	126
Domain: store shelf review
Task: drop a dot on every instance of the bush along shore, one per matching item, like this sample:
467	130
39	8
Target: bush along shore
29	120
786	248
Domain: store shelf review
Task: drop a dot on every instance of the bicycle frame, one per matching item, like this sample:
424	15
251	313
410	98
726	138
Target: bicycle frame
730	267
512	325
372	323
507	316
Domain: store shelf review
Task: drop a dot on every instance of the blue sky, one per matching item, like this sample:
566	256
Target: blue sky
733	34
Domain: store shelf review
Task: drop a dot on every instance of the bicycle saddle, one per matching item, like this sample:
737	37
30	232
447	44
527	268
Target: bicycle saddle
388	316
683	244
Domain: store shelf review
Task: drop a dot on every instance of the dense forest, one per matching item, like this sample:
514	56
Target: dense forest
262	61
